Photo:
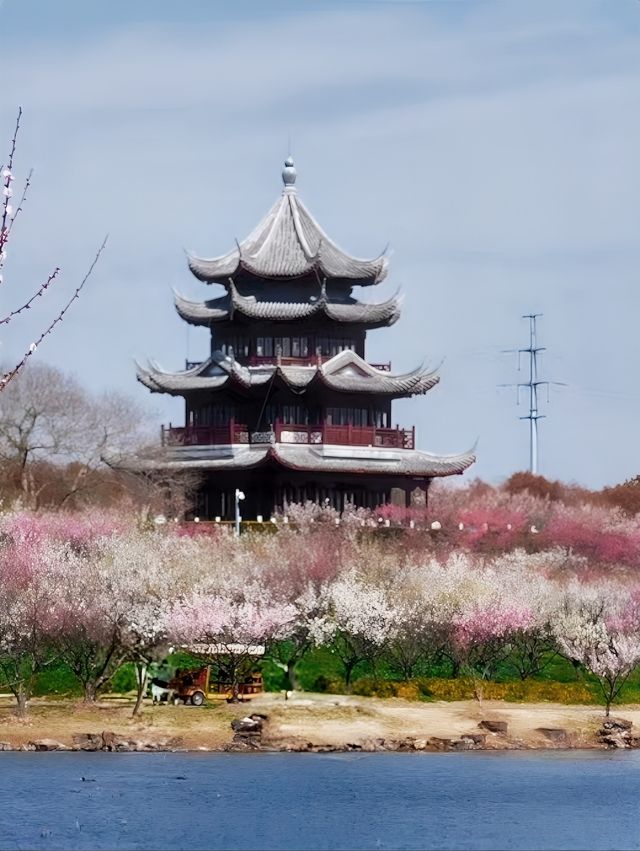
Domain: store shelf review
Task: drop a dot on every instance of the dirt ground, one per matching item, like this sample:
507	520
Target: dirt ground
331	720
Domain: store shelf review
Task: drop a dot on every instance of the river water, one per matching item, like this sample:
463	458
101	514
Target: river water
516	800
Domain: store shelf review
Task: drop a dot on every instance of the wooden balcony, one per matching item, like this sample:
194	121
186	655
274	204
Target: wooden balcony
324	433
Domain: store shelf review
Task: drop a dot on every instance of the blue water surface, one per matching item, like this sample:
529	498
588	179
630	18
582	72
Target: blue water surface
517	800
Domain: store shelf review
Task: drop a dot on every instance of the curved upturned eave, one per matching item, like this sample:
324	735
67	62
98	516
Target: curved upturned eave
406	462
300	381
413	462
217	270
397	386
383	314
201	313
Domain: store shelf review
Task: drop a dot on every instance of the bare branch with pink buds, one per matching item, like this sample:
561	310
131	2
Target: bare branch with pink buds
8	216
26	306
8	376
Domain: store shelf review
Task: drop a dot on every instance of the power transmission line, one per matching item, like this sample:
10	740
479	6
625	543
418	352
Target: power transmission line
532	351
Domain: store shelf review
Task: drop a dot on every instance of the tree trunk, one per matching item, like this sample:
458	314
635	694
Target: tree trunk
348	671
141	678
291	675
21	703
90	693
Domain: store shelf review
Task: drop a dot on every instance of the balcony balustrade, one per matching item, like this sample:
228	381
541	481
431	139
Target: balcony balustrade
311	360
324	433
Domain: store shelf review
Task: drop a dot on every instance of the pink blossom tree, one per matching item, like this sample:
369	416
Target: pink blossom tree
226	631
31	618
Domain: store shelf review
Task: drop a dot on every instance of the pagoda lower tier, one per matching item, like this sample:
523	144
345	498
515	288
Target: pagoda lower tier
272	474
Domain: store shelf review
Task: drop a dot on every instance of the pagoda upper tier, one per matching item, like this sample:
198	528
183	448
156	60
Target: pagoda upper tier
289	244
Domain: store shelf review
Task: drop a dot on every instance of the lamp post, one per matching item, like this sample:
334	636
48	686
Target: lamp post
239	497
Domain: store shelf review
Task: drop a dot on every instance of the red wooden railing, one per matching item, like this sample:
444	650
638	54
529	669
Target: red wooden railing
343	435
204	435
310	360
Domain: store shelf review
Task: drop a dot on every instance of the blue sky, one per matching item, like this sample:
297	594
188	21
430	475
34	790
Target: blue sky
493	145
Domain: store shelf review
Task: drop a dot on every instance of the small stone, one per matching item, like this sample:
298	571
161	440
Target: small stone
555	734
47	745
6	746
246	725
87	741
173	744
478	739
494	726
439	744
462	745
617	724
109	740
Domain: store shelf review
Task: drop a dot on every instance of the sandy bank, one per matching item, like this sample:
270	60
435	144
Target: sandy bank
305	720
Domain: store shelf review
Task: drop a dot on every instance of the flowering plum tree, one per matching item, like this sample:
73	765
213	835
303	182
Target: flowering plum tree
229	630
31	618
589	632
118	598
357	623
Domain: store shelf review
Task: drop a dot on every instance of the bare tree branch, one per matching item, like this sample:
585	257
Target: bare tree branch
23	198
36	295
7	179
8	376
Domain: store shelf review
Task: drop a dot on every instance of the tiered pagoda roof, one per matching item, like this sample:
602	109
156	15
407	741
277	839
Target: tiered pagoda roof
333	459
346	372
289	243
261	308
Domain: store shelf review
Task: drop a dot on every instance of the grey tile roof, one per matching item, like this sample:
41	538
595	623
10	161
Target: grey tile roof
350	312
346	372
323	458
289	243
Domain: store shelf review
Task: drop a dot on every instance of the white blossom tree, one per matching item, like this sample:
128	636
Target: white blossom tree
589	629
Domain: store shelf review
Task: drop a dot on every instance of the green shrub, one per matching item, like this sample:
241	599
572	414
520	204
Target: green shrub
124	679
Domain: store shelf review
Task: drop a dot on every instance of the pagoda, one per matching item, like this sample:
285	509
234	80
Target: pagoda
286	407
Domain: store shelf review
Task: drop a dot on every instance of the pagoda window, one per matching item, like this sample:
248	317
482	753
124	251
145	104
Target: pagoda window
286	347
264	347
282	346
294	415
235	346
380	419
212	415
356	417
329	346
299	347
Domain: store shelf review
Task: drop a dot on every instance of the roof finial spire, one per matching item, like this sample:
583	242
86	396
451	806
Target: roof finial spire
289	173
